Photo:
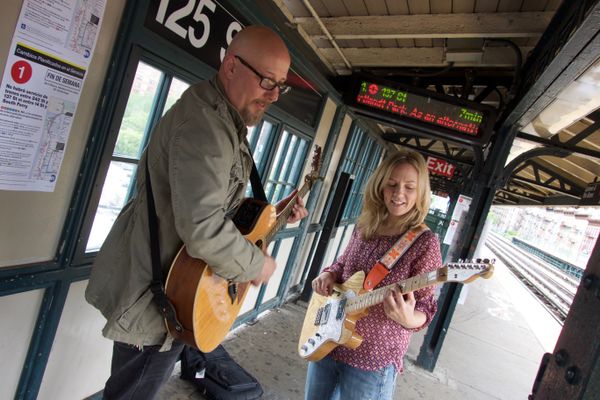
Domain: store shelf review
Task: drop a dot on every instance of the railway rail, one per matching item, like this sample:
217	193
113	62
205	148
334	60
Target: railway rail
553	288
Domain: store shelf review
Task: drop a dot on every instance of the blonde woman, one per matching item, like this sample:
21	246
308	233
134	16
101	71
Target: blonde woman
397	197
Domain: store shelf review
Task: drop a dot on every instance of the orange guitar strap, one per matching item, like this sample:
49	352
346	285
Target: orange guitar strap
389	259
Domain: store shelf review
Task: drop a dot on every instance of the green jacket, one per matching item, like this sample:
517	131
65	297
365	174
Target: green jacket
199	167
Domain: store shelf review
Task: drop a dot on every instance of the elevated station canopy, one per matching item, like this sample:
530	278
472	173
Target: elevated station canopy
518	62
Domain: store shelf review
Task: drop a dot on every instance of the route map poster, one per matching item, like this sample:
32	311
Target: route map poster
45	69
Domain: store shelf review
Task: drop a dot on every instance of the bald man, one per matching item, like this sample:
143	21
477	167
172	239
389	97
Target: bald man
199	165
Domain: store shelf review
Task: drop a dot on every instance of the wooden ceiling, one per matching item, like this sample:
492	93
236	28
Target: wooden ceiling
472	49
417	33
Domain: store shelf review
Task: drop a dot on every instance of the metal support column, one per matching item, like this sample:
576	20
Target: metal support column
340	196
481	189
573	370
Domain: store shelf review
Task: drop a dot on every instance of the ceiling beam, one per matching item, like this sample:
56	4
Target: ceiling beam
570	192
525	195
568	47
556	144
417	57
286	12
479	25
404	140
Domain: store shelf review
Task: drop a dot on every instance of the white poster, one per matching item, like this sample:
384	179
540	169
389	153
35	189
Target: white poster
460	211
49	56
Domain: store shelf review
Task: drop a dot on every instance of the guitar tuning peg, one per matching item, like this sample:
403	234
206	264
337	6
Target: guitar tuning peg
478	260
486	261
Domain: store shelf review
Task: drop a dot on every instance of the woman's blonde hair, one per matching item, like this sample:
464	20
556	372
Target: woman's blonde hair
374	212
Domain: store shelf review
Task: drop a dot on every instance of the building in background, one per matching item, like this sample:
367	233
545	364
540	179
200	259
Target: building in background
567	233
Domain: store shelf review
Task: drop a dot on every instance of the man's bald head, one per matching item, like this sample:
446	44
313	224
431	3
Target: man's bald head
255	64
257	41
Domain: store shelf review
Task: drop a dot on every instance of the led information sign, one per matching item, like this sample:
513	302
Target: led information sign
418	108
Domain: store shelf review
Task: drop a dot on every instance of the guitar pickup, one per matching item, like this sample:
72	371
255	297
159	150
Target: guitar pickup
340	311
326	311
318	317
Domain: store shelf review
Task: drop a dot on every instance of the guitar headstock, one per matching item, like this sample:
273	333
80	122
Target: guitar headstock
313	176
465	272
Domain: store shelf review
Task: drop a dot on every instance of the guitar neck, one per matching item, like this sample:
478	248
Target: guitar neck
285	213
366	300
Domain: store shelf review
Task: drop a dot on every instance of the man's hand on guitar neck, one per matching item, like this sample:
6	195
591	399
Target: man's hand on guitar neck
298	210
296	214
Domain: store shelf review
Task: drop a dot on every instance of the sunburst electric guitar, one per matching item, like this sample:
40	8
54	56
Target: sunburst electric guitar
206	305
330	321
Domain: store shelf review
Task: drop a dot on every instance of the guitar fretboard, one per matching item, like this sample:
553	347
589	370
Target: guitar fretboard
285	213
376	296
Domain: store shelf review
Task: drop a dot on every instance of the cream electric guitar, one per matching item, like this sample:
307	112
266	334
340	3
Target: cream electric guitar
331	321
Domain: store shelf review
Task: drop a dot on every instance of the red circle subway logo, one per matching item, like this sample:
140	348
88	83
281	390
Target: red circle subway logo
21	72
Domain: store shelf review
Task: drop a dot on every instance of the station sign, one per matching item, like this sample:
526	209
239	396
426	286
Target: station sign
202	28
205	28
422	110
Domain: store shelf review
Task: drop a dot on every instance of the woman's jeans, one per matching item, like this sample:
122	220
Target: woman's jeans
331	379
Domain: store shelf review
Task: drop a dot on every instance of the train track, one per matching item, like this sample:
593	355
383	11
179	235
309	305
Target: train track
552	287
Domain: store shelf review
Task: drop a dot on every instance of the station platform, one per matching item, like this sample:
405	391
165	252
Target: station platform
492	350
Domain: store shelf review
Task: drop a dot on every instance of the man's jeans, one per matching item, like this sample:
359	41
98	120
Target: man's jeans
331	379
138	374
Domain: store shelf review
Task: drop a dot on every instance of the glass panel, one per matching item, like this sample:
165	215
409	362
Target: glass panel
361	160
137	112
298	163
277	193
113	198
263	140
287	166
288	158
258	152
269	190
250	135
275	169
175	91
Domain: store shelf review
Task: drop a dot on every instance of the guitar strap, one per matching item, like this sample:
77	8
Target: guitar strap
389	259
157	286
257	187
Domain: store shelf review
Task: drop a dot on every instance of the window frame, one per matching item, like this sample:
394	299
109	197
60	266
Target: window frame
360	158
170	71
265	177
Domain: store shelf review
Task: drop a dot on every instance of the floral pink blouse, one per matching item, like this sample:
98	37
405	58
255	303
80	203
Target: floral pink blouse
385	341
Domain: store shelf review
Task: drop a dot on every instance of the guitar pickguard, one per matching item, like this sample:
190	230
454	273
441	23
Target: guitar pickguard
328	324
